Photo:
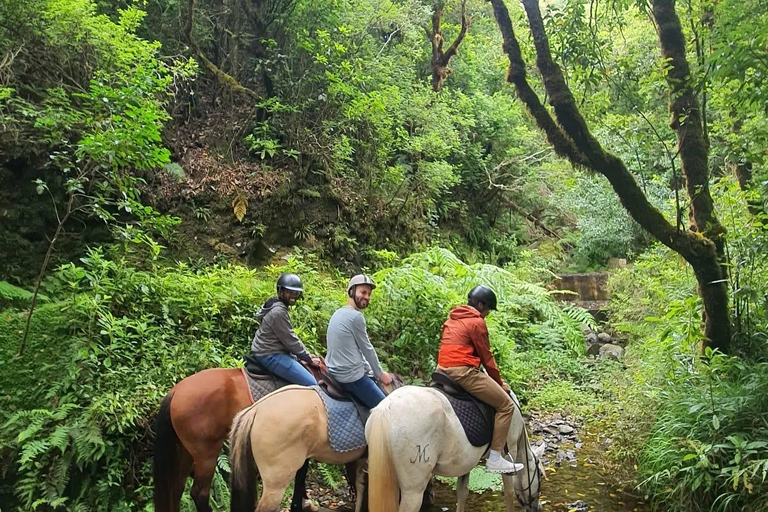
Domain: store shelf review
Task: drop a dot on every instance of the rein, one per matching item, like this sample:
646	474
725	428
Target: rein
527	489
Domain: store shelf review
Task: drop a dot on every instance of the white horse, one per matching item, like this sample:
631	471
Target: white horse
414	434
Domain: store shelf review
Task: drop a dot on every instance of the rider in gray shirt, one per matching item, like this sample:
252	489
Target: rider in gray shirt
351	356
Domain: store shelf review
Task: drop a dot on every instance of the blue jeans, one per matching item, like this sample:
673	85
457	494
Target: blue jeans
286	367
365	390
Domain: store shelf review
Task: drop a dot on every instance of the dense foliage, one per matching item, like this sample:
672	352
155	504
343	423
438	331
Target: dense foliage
240	128
114	338
704	448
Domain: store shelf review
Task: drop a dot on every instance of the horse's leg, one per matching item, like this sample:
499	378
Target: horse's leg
410	501
275	481
509	492
359	484
462	491
299	487
184	472
412	486
429	495
300	502
205	466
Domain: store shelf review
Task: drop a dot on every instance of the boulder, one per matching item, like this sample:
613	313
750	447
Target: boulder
593	349
611	351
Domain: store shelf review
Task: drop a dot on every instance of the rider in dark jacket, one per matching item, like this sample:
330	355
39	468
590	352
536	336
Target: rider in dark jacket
275	346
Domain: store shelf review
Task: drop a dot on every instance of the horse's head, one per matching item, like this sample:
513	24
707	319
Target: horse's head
528	481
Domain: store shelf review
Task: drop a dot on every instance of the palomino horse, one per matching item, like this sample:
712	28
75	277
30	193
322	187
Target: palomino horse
414	434
274	437
191	427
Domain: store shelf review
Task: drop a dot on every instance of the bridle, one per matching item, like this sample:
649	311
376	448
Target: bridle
531	498
537	472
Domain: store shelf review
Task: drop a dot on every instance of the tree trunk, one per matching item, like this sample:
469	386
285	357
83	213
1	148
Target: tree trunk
693	148
441	59
571	138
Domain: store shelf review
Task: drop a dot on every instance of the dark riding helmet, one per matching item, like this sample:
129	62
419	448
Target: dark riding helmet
482	293
290	282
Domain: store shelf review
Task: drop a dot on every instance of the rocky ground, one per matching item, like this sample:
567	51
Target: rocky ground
558	432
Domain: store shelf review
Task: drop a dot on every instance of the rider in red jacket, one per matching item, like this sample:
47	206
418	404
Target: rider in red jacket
464	346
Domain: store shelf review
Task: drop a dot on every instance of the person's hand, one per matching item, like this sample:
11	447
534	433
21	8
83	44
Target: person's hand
505	387
386	378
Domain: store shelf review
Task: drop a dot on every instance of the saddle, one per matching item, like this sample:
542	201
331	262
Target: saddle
475	416
255	370
333	389
328	384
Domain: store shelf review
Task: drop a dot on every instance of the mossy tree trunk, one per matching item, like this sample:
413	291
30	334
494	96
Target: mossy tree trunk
441	59
702	245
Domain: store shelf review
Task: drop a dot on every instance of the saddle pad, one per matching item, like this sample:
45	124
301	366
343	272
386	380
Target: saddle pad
478	430
259	388
345	428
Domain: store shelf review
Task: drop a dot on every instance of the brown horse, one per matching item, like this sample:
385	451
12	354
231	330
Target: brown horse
257	448
193	422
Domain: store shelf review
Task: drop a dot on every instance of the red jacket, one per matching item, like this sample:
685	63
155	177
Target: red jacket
465	342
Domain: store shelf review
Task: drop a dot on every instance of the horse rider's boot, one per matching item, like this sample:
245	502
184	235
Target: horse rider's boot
498	464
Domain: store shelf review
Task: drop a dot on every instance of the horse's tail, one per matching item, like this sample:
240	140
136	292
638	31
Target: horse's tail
166	460
244	470
382	477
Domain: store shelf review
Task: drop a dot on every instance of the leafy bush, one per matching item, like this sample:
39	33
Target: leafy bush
114	338
413	301
605	229
709	447
694	425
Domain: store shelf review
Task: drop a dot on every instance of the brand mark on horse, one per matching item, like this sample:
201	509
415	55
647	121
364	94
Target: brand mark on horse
421	454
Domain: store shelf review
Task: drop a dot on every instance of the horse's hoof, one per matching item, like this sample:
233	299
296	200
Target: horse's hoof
309	506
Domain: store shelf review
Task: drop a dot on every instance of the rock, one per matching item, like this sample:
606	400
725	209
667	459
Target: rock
591	338
617	262
585	329
617	341
611	351
593	349
223	248
565	429
577	506
604	337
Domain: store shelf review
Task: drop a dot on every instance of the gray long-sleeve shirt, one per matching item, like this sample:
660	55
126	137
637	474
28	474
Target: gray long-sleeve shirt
350	353
275	334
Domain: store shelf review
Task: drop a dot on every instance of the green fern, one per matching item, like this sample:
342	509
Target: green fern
11	292
332	475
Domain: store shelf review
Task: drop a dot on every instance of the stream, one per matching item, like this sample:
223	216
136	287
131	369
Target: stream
575	482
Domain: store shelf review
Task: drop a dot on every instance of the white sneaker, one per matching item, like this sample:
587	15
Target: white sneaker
498	464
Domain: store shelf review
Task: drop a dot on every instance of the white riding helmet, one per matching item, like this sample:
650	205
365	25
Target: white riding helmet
360	279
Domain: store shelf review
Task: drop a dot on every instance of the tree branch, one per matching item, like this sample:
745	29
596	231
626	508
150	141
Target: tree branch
687	122
571	138
225	79
442	59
